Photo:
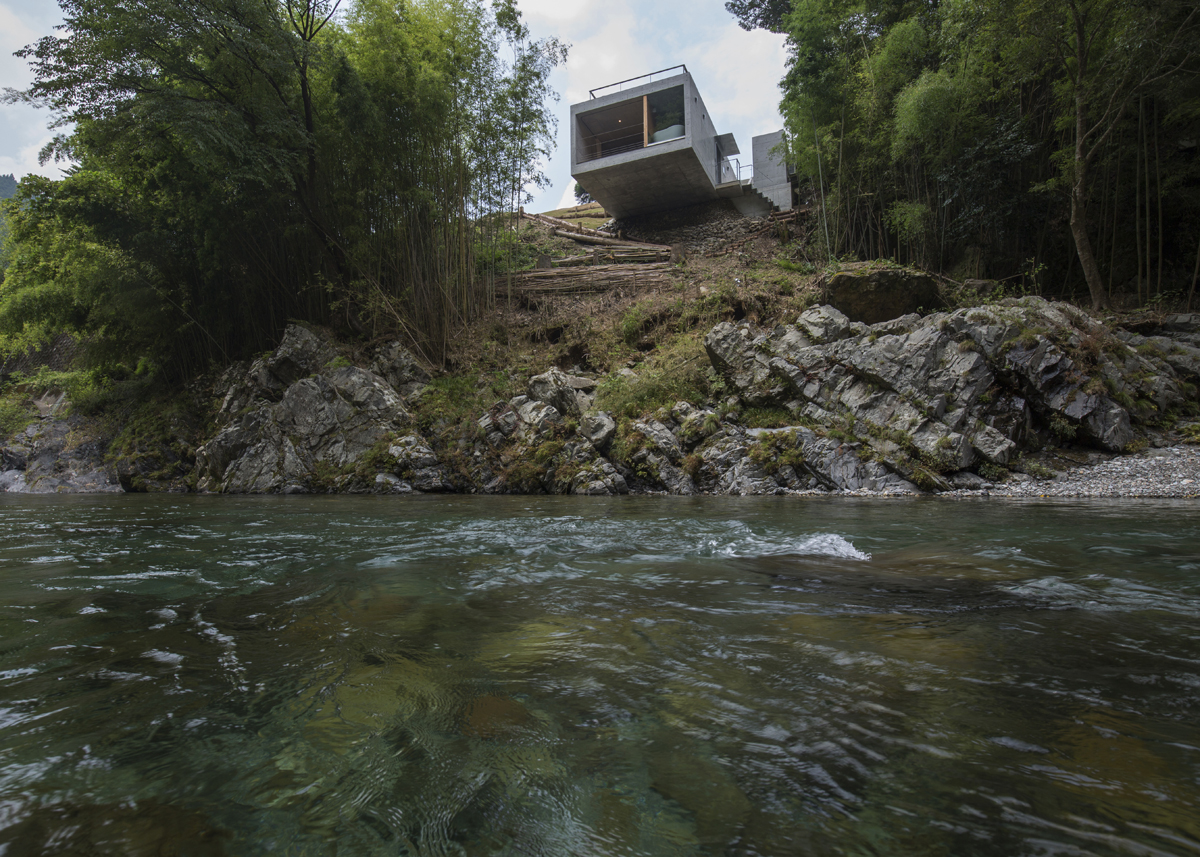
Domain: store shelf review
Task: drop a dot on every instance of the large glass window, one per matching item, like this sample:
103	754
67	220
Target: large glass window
631	124
665	111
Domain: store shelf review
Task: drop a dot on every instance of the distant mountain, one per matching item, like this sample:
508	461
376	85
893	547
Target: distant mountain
8	186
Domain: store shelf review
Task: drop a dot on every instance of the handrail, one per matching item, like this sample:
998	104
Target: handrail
593	92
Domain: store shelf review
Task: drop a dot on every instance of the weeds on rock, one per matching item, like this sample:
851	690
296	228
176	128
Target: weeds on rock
677	373
993	472
773	452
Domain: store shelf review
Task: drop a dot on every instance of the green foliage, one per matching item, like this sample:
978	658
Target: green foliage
768	418
1062	428
453	400
677	373
993	472
15	413
1037	470
772	452
1191	433
962	135
242	164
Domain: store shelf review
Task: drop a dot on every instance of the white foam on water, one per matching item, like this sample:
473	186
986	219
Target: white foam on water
822	544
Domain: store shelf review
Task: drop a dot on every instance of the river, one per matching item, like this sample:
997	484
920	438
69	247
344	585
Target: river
579	676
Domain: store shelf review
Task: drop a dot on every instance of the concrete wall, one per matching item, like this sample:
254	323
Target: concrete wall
674	173
770	171
702	133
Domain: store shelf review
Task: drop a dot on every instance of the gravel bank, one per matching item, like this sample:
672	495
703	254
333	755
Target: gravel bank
1170	472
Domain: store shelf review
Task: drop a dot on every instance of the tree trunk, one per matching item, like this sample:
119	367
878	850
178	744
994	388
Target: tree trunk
1083	244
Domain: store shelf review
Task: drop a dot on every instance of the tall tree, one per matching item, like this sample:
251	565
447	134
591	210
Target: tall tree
260	160
1101	55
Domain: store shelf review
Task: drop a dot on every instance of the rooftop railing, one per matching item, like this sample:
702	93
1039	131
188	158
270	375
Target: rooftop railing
620	84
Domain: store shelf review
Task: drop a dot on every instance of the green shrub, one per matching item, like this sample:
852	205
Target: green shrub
993	472
678	373
15	414
1062	428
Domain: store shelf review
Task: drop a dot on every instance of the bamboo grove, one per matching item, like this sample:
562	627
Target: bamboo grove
240	163
1051	143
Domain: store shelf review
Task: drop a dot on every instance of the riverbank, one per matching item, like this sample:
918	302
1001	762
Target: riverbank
730	374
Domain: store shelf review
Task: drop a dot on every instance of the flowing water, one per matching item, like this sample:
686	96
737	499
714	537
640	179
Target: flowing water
631	676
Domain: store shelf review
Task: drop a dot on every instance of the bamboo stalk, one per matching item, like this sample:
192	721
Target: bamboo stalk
608	242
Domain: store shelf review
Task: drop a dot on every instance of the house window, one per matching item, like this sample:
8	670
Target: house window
665	111
631	125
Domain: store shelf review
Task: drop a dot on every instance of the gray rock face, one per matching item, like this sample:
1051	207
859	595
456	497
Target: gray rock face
300	353
952	390
567	393
599	429
43	459
396	365
579	469
315	437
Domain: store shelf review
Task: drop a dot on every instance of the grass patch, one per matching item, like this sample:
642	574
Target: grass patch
15	414
768	418
679	372
453	400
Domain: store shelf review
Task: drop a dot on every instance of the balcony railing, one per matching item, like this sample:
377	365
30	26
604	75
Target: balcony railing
734	170
620	84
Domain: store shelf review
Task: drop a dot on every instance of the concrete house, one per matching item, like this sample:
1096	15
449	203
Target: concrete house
649	144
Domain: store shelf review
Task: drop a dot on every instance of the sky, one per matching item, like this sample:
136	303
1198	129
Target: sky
737	73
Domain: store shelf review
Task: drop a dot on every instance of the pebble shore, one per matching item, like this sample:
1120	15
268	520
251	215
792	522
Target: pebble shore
1171	472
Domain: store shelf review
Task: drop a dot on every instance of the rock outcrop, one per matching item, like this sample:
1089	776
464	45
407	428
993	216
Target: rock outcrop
49	457
297	422
948	392
951	400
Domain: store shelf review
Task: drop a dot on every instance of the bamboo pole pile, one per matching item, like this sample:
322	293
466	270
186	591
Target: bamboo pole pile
613	256
591	279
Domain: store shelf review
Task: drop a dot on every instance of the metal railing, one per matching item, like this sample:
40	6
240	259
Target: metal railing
733	169
628	142
621	83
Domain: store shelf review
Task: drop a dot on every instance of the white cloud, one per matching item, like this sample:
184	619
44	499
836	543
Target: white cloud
23	130
24	160
557	10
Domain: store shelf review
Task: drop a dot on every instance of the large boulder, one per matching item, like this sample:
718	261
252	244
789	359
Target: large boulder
568	394
872	293
315	439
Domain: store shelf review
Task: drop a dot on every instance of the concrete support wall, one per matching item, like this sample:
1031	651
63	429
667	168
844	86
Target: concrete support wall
770	171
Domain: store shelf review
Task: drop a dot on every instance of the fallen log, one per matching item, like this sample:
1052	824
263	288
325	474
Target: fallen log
599	256
590	279
605	241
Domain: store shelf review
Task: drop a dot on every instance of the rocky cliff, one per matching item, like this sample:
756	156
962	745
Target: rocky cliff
916	403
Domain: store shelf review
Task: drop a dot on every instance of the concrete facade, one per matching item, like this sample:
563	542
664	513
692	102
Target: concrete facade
615	159
771	176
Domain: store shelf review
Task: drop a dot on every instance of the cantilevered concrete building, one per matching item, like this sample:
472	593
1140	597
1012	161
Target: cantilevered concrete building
649	144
